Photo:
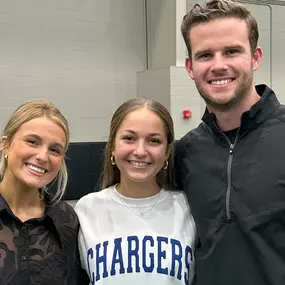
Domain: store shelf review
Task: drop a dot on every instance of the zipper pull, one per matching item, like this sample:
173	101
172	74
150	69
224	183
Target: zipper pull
231	149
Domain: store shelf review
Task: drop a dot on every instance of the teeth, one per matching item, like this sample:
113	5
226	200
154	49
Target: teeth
139	163
37	169
220	82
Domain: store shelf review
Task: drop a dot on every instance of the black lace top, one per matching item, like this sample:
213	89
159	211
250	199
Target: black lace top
40	251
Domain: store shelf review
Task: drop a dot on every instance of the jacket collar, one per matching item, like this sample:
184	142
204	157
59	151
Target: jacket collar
250	119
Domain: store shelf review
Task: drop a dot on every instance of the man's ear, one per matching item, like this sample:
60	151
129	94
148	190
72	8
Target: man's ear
189	67
256	58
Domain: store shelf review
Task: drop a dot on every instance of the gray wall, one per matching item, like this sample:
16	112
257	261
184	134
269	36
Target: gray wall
81	54
161	27
85	55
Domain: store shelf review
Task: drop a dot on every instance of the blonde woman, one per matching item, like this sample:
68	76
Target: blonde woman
38	233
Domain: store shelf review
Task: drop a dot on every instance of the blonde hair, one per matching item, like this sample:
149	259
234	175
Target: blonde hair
111	174
217	9
26	112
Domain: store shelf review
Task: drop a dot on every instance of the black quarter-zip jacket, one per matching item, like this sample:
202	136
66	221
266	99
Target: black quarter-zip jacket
237	195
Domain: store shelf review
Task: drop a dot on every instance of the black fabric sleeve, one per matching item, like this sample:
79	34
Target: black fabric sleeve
81	275
178	157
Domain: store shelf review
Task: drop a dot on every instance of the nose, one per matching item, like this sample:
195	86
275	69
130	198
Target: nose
140	149
42	155
219	63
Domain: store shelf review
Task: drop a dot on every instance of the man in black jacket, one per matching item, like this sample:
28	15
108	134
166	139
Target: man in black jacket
232	166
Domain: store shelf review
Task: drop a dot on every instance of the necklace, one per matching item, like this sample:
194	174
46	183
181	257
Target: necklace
139	214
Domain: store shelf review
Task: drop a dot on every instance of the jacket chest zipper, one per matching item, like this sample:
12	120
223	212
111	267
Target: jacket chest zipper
229	173
229	181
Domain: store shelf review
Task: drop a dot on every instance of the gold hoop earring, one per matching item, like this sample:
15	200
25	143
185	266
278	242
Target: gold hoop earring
166	165
6	156
113	160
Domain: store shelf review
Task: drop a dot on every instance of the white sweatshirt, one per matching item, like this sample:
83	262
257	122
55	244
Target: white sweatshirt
120	247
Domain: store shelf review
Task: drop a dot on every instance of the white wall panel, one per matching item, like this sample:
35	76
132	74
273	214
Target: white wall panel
83	55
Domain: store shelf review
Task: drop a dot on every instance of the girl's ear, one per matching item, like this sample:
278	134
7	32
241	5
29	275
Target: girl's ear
4	141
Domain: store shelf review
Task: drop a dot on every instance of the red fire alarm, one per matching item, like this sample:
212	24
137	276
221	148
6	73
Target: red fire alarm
187	114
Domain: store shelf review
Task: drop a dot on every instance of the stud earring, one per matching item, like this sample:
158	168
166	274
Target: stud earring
113	160
6	156
166	165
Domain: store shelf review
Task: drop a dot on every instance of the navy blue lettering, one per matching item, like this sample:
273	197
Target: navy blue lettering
151	255
134	253
101	259
90	254
188	259
161	255
176	257
117	257
142	257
